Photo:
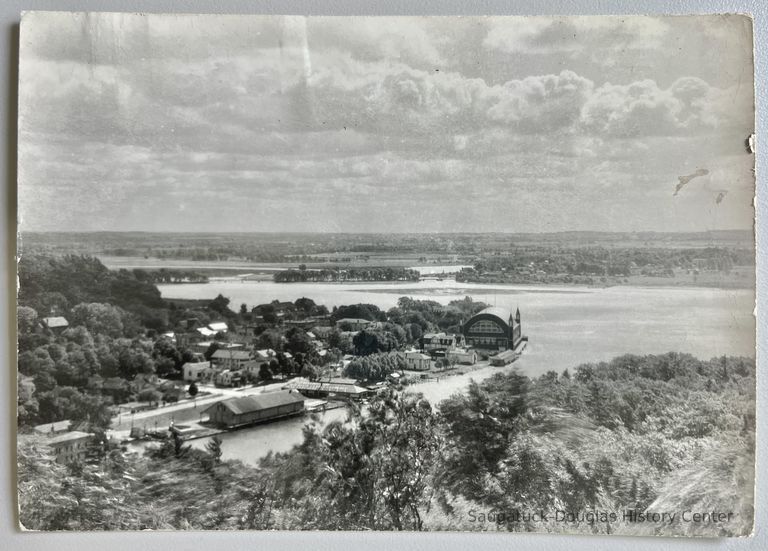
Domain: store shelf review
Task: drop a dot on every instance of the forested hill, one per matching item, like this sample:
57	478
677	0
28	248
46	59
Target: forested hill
60	282
639	433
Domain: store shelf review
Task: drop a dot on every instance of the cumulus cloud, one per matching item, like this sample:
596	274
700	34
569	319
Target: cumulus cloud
540	102
547	35
642	108
393	97
144	116
403	39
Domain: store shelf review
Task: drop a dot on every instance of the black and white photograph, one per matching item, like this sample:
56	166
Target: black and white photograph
413	273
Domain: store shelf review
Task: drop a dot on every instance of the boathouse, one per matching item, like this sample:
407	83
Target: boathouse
256	408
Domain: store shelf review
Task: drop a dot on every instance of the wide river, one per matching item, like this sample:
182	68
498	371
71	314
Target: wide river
566	326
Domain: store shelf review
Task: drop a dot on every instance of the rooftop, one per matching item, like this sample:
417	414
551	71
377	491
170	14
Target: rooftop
438	336
339	388
256	402
68	436
497	311
232	354
197	365
58	426
340	381
505	355
56	321
114	383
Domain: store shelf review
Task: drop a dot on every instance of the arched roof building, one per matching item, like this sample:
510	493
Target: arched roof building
493	329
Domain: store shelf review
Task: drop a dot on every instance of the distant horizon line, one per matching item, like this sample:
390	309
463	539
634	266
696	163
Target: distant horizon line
264	232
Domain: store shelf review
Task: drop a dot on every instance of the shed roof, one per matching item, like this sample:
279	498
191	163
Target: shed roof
257	402
56	321
505	355
57	426
340	381
232	354
67	436
196	365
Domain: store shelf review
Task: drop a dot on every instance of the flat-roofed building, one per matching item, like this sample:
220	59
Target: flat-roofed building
70	446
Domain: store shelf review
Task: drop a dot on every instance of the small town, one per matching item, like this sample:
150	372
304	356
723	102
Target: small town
318	361
384	274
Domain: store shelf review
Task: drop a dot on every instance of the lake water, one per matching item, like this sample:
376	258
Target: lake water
566	326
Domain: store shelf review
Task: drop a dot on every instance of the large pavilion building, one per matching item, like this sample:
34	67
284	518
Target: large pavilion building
493	329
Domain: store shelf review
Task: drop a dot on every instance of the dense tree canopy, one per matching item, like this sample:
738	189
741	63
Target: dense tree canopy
369	312
510	443
667	431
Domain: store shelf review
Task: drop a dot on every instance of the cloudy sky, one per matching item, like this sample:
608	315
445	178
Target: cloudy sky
235	123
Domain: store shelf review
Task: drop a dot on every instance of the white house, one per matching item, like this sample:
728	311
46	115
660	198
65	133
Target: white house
228	378
439	343
199	371
252	367
417	361
206	332
265	354
461	356
218	327
230	359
